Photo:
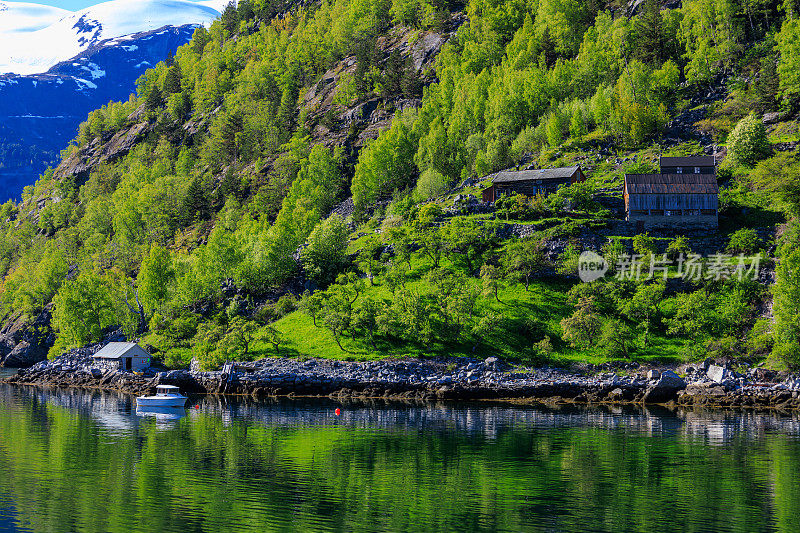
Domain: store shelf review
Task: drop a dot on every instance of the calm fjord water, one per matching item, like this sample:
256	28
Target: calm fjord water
77	461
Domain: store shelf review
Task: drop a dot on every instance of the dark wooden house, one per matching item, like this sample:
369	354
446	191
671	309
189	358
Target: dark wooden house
704	164
531	182
672	200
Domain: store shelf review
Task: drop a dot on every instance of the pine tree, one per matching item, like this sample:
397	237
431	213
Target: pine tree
287	113
195	203
766	85
231	135
155	99
648	34
230	18
393	74
172	82
365	59
200	39
547	48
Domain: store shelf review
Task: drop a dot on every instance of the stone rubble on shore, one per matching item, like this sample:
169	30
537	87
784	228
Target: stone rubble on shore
455	378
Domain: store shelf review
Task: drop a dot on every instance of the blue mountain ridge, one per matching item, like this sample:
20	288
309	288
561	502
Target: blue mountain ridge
40	113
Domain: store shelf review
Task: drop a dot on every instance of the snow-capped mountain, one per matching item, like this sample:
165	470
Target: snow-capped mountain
33	38
67	64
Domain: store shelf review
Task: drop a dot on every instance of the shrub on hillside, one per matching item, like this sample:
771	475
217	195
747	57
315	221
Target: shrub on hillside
521	207
743	241
748	143
575	197
644	245
431	184
679	245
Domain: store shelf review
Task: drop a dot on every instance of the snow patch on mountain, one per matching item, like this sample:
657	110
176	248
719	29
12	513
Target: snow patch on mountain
21	17
34	38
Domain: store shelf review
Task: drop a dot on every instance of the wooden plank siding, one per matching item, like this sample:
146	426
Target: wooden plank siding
530	188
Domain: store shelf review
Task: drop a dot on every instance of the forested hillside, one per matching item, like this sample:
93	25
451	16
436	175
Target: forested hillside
197	214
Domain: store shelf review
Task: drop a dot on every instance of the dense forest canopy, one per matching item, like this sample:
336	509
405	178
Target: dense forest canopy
230	179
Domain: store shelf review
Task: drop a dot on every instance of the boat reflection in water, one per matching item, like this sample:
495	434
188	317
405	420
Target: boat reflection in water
164	415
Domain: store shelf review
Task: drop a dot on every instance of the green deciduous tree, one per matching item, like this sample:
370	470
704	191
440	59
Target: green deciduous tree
583	326
155	278
385	165
616	338
693	317
780	176
523	259
82	308
324	256
492	281
467	240
431	184
369	260
644	307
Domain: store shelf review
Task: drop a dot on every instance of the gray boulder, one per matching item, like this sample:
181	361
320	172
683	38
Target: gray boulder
666	389
718	373
616	395
25	354
671	380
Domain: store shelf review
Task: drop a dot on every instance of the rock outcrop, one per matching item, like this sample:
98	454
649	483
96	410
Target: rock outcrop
24	343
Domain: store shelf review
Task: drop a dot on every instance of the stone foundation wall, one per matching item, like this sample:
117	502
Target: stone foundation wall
676	222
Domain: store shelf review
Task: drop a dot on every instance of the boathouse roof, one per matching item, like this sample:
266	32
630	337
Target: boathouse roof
116	350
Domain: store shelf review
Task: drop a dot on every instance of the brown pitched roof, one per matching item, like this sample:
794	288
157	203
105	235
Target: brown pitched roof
506	176
671	184
693	161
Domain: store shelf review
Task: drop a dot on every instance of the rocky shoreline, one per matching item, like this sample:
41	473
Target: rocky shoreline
705	384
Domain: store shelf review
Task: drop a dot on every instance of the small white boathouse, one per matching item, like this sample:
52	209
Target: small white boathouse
122	356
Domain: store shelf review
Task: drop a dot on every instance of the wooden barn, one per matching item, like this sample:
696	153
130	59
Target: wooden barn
531	182
672	200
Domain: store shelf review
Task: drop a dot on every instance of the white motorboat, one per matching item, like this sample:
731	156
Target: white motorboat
166	396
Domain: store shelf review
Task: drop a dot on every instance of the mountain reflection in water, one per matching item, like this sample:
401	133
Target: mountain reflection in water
87	461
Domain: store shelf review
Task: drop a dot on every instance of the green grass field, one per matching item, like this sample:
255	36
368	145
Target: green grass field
544	305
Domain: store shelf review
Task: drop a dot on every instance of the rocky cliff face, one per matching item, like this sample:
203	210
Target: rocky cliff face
334	123
40	113
24	342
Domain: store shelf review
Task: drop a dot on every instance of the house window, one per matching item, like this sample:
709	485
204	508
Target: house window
697	170
679	170
674	213
708	212
657	212
639	212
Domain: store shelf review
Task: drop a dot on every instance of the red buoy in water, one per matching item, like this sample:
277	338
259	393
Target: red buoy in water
338	411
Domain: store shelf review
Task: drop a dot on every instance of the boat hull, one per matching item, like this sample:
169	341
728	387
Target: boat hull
149	401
